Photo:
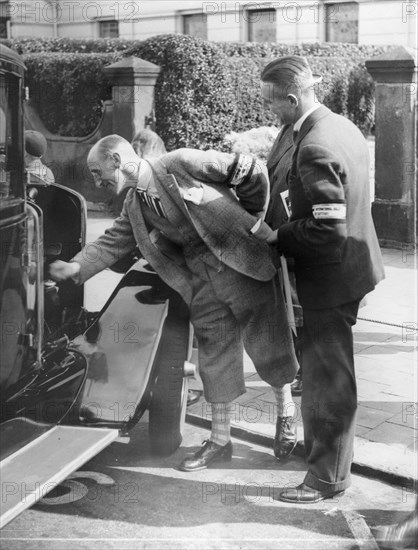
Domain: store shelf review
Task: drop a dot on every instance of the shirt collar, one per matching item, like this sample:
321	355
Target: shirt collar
301	120
145	180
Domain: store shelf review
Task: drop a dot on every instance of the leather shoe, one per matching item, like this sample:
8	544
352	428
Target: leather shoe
285	438
302	494
193	397
401	535
209	453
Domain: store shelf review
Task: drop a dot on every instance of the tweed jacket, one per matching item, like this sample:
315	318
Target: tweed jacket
331	233
222	195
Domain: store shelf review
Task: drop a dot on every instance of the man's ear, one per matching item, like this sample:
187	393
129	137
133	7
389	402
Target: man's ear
116	159
293	100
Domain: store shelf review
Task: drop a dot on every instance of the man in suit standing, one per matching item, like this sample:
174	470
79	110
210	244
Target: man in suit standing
279	162
188	224
337	258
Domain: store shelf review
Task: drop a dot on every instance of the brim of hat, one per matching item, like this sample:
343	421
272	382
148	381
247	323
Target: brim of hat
314	79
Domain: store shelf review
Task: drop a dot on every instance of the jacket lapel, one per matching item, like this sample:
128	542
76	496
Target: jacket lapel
174	275
274	159
168	191
312	119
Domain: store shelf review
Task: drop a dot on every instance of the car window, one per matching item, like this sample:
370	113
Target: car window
11	140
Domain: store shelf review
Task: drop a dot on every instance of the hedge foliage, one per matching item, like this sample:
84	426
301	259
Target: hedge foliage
205	89
256	142
68	90
67	45
346	88
194	97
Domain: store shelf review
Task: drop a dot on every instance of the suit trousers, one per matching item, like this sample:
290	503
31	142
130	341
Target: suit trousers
230	311
329	395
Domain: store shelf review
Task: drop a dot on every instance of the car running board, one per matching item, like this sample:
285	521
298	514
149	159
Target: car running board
56	451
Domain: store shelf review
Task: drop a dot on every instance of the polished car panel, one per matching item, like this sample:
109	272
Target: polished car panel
120	347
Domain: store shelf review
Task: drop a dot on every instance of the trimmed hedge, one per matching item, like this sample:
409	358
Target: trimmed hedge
256	142
205	89
67	45
347	88
315	49
194	98
68	90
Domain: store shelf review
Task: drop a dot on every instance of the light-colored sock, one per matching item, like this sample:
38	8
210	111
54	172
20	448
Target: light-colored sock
285	404
221	423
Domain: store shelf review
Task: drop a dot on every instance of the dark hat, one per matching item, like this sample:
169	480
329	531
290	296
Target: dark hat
287	69
35	143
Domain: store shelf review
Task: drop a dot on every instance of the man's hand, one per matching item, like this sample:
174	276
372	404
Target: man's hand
60	271
264	233
273	237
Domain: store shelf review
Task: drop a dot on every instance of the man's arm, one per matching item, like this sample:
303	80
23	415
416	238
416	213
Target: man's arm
323	232
249	178
243	173
115	243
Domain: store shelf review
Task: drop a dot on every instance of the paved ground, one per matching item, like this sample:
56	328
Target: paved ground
386	337
127	499
386	360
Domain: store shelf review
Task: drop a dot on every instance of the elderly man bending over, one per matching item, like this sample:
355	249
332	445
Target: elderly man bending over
196	217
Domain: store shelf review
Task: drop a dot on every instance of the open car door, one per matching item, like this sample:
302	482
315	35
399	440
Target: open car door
131	358
71	381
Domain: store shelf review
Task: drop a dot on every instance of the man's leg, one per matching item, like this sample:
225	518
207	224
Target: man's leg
329	402
269	343
220	356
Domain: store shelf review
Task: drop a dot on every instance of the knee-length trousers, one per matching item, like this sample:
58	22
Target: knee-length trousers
230	311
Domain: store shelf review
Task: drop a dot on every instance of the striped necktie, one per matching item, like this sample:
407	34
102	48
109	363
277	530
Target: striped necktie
154	203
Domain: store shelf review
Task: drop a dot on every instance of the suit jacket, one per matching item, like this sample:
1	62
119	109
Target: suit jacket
226	196
331	233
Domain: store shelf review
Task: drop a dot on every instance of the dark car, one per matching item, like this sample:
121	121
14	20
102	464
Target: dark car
72	381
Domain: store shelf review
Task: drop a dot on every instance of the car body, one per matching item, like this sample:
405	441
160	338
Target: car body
72	381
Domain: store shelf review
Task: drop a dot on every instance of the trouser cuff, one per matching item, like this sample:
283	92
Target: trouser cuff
320	485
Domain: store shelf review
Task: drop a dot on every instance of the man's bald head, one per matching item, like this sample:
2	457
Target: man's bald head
108	145
113	163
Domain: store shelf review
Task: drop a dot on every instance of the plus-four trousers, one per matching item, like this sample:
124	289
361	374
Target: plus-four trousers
230	311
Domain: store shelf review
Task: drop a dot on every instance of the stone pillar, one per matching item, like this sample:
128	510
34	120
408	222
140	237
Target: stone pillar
133	82
395	206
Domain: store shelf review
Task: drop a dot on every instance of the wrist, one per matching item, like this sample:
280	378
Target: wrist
75	268
263	232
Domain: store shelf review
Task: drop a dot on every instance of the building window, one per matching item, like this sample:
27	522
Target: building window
109	29
261	25
195	25
341	22
3	27
4	17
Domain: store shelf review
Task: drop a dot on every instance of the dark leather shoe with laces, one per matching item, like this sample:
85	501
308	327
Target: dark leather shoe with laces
285	438
302	494
209	453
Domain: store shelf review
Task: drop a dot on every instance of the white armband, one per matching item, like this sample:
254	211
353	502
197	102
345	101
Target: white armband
329	211
242	169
